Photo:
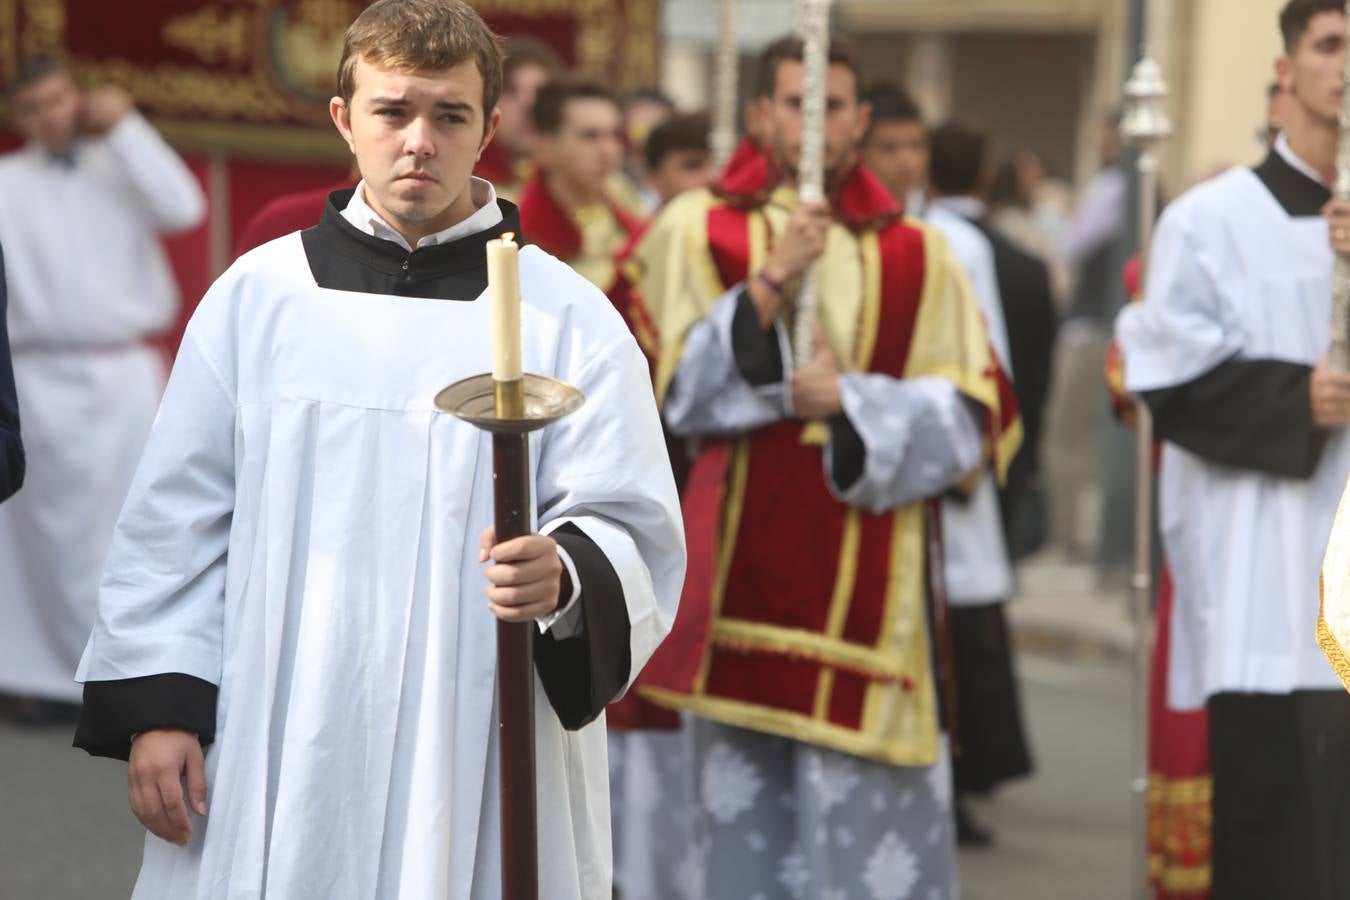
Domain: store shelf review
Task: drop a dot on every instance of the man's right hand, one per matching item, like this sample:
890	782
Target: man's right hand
160	760
104	107
800	244
1329	390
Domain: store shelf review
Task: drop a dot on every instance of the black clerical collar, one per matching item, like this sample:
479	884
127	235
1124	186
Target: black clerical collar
344	258
1300	195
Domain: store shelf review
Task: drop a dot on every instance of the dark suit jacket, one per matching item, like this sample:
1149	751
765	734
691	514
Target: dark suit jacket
11	451
1029	311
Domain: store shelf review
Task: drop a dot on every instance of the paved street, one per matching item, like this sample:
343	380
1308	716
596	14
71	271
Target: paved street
1063	835
66	833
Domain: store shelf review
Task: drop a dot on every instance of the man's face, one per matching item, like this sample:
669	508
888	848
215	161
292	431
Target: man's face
47	112
516	102
588	146
1311	74
680	171
845	117
416	137
897	152
639	118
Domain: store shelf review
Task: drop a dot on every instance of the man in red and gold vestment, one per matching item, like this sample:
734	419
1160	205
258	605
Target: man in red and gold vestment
564	208
807	635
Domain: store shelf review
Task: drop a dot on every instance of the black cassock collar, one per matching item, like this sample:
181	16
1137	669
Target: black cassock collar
1300	195
344	258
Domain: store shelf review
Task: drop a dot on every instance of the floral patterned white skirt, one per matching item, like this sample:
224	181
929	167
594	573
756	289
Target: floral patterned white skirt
776	818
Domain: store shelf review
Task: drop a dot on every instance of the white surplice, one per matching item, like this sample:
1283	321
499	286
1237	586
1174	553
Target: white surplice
976	563
1232	275
88	282
303	532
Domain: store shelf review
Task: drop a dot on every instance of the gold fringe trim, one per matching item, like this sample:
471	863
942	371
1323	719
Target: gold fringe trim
1326	639
918	752
756	637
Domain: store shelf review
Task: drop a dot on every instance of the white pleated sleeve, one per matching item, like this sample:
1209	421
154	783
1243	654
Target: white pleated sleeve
710	396
605	471
162	596
921	436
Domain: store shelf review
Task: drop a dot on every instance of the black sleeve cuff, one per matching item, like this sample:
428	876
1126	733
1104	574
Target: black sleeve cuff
582	674
848	455
113	711
1249	414
759	358
11	464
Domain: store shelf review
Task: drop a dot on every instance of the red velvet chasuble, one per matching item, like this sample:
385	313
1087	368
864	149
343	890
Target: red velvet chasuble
803	616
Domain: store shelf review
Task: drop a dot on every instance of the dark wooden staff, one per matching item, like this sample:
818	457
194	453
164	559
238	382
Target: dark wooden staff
510	411
515	661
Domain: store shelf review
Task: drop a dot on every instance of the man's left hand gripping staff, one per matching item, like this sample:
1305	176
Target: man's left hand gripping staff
525	578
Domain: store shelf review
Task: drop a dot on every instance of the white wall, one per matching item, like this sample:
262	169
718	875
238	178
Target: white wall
1220	96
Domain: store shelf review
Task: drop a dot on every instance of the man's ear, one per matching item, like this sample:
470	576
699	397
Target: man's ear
494	121
341	116
764	122
864	121
1284	72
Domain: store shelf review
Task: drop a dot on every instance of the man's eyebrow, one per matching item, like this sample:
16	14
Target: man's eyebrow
457	105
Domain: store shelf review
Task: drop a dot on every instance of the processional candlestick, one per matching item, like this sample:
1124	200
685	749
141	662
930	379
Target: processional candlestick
1145	125
510	404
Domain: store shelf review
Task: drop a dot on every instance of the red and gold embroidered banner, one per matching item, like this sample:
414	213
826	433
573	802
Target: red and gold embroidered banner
255	76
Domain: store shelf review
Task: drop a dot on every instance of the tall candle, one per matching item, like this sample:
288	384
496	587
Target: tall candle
504	290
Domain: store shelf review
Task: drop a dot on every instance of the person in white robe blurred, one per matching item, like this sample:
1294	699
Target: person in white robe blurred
1229	351
82	207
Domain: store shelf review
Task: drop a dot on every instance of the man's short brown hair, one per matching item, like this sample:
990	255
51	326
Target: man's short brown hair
1297	15
791	48
686	131
422	36
550	104
524	51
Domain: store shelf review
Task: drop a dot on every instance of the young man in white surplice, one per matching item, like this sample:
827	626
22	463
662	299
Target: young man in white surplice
293	613
1228	350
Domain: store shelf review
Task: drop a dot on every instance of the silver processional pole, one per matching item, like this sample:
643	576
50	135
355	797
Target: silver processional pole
723	137
815	33
1145	126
